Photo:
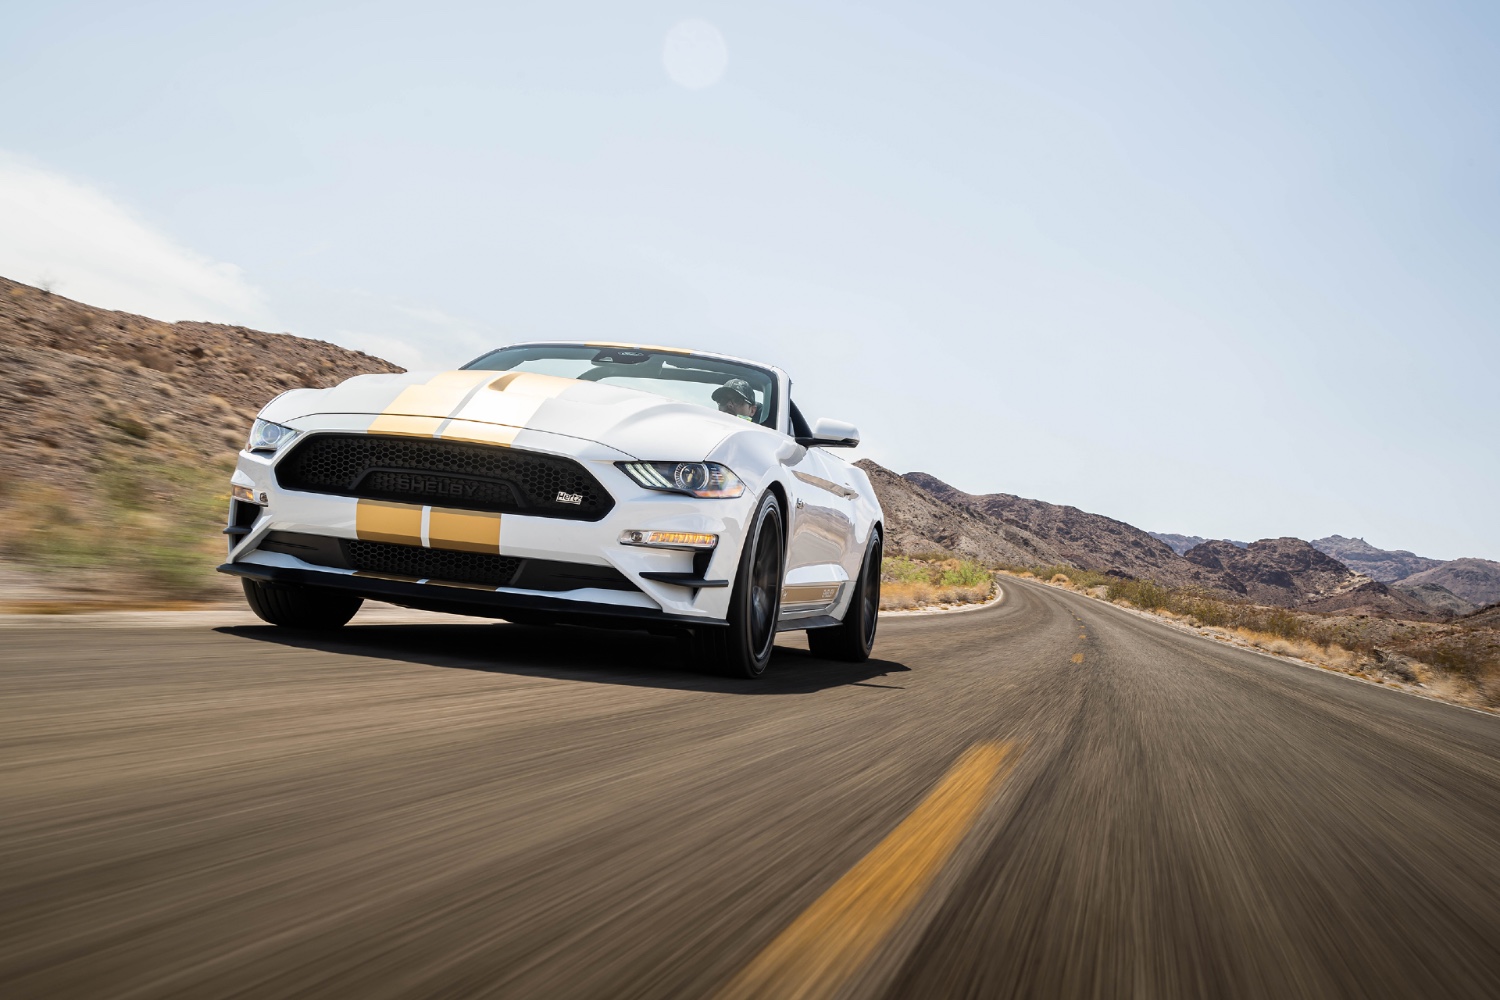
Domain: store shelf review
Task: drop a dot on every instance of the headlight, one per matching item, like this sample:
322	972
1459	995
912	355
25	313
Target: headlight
266	436
698	479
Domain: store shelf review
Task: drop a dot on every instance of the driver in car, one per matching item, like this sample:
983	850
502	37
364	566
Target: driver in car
736	397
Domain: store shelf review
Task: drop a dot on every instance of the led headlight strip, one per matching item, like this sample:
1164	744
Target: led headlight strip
698	479
669	539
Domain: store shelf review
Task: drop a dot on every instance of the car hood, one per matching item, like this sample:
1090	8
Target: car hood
462	403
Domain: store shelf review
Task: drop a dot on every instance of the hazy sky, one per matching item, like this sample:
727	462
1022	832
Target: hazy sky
1224	269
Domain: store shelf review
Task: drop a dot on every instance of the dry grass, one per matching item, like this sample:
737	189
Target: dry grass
911	582
143	531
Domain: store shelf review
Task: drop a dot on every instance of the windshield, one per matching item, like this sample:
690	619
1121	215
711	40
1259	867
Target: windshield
727	386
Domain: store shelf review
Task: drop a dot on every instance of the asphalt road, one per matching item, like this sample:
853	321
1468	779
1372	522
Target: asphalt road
449	810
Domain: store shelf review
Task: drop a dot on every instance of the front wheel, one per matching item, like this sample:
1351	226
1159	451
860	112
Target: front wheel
853	638
743	649
299	607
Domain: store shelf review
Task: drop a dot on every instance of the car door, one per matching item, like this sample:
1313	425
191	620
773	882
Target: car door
821	536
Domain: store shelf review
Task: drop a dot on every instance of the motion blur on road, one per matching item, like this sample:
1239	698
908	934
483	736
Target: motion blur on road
1048	798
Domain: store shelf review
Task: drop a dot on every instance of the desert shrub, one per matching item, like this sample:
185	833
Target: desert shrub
964	573
902	569
1142	593
911	582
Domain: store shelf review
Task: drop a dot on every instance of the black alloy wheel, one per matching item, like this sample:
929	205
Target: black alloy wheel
300	607
854	638
743	649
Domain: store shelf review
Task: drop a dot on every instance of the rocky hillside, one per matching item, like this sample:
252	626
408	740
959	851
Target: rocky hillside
1475	580
1088	541
1384	565
1282	571
918	522
1435	597
924	512
80	380
121	434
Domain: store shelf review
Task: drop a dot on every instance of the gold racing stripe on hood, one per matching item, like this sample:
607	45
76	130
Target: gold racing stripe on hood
500	411
464	530
383	521
419	410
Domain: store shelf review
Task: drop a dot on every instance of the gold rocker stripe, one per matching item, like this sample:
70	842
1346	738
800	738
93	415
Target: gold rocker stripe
808	593
823	949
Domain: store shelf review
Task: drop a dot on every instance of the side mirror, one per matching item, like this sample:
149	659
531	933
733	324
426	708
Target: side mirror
827	433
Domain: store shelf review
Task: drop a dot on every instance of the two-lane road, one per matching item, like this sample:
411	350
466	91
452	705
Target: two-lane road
1046	798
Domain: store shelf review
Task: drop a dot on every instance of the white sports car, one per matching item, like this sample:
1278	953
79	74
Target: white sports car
597	484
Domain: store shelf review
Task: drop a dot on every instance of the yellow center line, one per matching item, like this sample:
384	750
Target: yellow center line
830	942
1077	657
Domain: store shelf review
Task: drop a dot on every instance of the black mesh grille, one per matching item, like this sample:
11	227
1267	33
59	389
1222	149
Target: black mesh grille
431	564
444	473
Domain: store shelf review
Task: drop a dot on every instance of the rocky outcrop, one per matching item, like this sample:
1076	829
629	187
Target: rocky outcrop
1282	571
1384	565
1375	599
918	522
1475	580
1435	598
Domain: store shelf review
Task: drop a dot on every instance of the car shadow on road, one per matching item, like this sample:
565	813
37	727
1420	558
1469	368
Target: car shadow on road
572	653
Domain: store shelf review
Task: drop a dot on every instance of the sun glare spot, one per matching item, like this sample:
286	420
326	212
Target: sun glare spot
694	54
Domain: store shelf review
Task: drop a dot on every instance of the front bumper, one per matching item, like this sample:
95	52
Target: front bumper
509	605
593	543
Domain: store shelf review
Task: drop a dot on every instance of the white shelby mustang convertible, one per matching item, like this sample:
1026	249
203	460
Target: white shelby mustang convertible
596	484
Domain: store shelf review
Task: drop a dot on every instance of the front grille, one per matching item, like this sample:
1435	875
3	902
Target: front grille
431	564
445	473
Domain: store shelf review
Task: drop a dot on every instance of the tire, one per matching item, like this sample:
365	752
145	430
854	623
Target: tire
744	648
300	607
852	640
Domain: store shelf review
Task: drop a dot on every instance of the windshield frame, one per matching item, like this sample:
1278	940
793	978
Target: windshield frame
773	417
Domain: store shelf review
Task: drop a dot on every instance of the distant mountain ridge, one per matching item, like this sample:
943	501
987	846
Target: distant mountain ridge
1385	565
1333	574
1472	581
923	512
1181	543
1475	580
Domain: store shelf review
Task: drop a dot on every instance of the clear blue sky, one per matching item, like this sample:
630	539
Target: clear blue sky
1225	269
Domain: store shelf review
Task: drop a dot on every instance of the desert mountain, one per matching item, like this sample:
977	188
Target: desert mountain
1372	599
1475	580
1011	529
917	521
121	433
1385	565
81	384
1435	597
1284	571
1088	541
1181	543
